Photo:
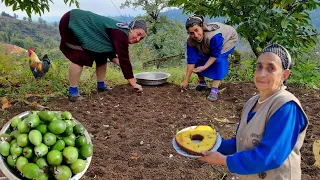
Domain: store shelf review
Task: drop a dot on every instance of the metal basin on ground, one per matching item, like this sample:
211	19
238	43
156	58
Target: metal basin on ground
14	174
152	78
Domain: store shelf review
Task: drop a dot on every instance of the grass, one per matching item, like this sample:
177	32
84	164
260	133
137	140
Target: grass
17	82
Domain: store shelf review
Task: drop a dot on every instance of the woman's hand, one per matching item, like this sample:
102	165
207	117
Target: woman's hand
184	85
137	87
213	158
116	61
134	84
199	69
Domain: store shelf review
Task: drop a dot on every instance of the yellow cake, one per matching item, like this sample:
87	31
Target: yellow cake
205	135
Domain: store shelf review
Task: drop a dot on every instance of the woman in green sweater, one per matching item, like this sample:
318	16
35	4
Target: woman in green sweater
87	37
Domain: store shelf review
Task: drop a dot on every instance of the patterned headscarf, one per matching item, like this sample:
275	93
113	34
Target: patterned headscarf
282	52
134	25
138	24
194	20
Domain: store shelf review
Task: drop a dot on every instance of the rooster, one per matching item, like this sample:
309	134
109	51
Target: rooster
38	68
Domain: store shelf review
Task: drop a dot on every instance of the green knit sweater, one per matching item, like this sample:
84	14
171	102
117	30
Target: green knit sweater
90	29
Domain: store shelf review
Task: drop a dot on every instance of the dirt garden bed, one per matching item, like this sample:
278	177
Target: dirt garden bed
132	132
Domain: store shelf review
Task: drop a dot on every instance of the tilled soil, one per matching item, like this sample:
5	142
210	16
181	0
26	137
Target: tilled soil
132	132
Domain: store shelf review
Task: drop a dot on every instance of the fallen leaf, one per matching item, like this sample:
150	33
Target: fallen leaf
6	106
4	100
5	103
48	92
28	95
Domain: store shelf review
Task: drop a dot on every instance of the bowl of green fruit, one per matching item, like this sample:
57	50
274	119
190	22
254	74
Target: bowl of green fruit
44	145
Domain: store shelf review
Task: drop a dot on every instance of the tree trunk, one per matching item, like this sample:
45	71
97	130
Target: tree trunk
254	49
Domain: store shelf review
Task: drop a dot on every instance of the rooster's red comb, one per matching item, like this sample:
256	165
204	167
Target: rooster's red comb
30	51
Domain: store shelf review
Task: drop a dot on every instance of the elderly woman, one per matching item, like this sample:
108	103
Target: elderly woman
87	37
272	126
208	48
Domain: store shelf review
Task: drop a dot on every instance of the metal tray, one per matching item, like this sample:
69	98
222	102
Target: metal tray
14	174
152	78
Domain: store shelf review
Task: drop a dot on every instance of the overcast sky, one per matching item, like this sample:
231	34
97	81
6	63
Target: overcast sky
103	7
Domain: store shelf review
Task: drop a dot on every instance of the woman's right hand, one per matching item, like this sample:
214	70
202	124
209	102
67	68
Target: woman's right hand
134	84
137	87
184	85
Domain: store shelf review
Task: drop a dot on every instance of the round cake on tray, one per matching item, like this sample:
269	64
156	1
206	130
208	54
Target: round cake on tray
195	140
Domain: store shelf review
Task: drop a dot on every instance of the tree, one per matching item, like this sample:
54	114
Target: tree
34	6
55	24
263	21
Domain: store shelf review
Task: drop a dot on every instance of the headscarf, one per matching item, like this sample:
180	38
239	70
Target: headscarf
138	24
282	52
194	20
134	25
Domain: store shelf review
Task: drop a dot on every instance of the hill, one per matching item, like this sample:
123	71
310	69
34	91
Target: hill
19	29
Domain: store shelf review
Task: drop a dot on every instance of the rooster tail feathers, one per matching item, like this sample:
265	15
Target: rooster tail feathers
46	58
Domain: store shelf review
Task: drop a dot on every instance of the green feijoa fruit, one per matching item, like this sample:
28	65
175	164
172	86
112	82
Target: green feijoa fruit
33	120
46	116
62	172
30	171
15	134
54	158
80	141
23	127
58	115
72	136
66	115
15	121
41	150
86	150
43	128
55	118
34	159
5	137
15	150
78	166
12	160
69	123
42	163
68	131
21	161
78	129
70	154
43	176
57	126
23	140
27	152
13	141
35	137
59	145
49	139
68	141
4	148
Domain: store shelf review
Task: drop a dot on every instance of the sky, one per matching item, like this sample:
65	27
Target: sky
102	7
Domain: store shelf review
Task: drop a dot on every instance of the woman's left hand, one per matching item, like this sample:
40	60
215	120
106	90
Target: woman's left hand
199	69
213	158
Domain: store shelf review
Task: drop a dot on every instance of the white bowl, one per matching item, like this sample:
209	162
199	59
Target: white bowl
14	174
